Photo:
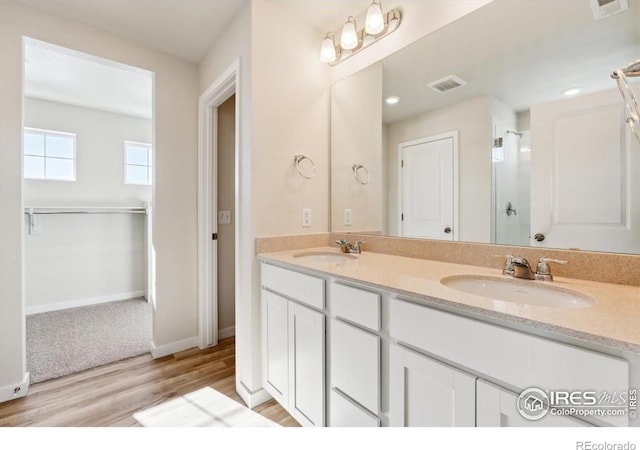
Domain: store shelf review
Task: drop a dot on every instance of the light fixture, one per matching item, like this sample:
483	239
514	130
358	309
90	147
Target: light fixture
349	38
571	92
392	100
377	25
328	49
374	23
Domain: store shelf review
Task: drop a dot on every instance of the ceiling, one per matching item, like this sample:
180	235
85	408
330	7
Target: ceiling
61	75
187	28
183	28
521	52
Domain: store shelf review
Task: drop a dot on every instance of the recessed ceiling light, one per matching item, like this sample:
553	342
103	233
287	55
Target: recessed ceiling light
572	91
392	100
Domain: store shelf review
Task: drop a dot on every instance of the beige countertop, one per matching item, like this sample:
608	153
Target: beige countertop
613	321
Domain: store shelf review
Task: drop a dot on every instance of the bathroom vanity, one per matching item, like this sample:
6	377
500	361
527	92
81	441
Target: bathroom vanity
381	340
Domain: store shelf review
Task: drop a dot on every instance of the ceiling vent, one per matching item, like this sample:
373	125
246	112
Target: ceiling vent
447	84
604	8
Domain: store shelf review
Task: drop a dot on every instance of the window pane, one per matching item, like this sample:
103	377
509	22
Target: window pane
60	169
33	144
138	155
33	167
60	146
137	175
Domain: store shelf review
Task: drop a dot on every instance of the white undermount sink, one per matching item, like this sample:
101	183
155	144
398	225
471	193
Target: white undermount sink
524	292
325	256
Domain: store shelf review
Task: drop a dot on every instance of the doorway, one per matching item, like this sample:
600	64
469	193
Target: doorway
428	187
88	189
219	224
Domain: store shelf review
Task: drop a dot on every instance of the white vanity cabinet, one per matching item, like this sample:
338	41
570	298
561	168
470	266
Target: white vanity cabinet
426	393
354	356
400	362
293	337
496	407
493	352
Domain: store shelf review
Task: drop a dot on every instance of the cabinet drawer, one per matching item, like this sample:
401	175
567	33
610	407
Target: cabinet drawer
345	413
515	358
298	286
356	305
355	364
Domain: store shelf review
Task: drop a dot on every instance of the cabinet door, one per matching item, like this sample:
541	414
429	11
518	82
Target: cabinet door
355	364
497	407
306	365
275	346
427	393
345	413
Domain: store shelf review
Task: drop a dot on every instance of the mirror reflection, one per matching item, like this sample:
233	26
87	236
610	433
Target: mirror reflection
502	127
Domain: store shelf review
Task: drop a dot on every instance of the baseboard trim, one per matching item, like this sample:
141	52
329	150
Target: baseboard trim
226	332
252	399
174	347
15	391
84	302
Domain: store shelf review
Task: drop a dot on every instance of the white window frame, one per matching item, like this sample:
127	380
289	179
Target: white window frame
150	166
44	132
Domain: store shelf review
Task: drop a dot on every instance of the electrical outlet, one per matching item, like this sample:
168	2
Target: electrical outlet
306	217
224	217
347	217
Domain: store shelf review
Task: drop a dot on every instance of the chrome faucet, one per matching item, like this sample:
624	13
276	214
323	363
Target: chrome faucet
520	268
346	247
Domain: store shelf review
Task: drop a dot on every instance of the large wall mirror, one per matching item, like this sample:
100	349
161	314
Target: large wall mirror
503	127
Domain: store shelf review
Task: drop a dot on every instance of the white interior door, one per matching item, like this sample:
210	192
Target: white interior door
584	172
429	188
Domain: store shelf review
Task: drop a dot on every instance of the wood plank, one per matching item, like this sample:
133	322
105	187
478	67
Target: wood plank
110	395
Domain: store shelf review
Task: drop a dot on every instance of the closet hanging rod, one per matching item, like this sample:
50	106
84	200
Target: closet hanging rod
87	210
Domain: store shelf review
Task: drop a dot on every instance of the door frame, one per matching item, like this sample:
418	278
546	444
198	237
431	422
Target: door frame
425	140
220	91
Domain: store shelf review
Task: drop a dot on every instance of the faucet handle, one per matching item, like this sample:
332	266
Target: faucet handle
357	246
508	264
543	272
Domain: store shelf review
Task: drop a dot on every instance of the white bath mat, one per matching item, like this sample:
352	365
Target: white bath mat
205	407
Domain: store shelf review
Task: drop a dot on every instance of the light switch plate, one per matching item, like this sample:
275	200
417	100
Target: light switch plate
224	217
306	217
347	217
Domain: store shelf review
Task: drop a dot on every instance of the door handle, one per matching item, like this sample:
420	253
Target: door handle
447	230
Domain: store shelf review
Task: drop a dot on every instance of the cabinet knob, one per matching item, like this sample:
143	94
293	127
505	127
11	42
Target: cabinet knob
539	237
447	230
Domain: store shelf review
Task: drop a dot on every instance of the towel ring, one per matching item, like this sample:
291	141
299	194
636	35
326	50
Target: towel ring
298	159
358	169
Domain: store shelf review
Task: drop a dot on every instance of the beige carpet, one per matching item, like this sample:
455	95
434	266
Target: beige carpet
205	407
63	342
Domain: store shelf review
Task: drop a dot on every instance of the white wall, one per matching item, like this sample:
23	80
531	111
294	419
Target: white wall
284	111
175	210
81	259
99	155
356	138
472	119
